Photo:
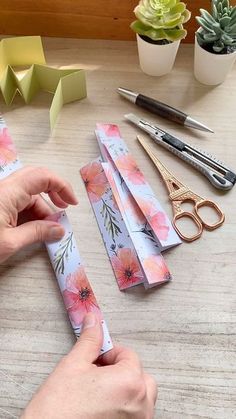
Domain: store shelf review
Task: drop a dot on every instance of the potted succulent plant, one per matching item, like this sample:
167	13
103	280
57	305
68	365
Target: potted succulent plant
159	29
215	43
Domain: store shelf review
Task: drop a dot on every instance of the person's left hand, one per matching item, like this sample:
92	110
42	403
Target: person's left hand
23	210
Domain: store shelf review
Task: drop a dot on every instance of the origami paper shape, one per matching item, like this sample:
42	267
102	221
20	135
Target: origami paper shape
67	85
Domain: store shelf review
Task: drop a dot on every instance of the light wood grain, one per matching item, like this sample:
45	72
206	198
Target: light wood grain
184	331
79	18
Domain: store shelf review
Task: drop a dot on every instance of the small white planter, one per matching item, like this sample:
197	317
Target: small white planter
156	60
209	68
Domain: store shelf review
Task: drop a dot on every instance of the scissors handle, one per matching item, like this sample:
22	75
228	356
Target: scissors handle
208	203
197	219
194	219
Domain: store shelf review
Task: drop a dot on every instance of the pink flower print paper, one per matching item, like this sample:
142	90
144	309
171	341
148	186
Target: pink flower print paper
119	246
78	295
76	290
127	267
9	161
109	136
95	181
141	234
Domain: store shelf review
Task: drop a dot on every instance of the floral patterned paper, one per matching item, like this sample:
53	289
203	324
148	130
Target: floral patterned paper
73	282
110	140
116	238
147	224
9	161
76	290
128	240
140	232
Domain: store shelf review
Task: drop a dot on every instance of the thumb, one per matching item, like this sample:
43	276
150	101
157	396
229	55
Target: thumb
35	231
88	347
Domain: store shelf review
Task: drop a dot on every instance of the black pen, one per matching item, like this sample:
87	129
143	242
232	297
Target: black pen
162	109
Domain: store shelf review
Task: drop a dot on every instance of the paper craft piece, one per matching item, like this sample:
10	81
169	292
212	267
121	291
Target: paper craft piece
109	136
134	256
67	85
22	49
76	290
139	217
119	246
64	255
148	251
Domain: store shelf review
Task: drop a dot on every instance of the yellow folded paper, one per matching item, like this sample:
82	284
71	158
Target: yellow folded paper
67	85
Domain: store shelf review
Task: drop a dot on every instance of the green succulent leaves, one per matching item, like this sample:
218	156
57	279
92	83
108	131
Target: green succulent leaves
218	28
161	19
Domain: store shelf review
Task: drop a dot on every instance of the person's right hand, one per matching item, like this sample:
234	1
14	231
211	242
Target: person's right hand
78	388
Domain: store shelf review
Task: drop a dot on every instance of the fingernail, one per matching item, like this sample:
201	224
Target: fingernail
75	201
64	205
90	320
56	233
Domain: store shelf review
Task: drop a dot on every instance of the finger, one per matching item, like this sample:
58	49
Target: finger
35	180
88	347
39	208
151	386
121	355
55	198
34	231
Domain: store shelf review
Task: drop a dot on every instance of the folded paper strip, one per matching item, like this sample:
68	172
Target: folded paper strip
134	226
76	290
67	85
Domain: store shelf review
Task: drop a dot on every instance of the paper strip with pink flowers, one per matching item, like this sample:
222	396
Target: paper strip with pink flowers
119	246
109	136
9	161
131	252
140	232
76	290
64	255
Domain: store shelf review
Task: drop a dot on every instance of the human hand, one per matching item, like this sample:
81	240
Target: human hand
20	202
115	387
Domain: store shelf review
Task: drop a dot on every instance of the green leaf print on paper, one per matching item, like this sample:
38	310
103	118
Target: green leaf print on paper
110	220
62	254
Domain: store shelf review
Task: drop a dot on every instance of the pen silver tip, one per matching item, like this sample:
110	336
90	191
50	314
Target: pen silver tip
192	123
128	94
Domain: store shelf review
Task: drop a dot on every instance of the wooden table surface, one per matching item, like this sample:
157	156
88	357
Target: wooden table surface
184	331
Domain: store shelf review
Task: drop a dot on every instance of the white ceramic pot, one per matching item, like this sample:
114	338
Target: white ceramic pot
156	60
211	68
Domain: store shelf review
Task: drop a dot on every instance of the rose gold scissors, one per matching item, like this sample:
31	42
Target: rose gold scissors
179	193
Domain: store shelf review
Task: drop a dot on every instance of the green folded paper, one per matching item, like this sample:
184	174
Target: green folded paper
67	85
